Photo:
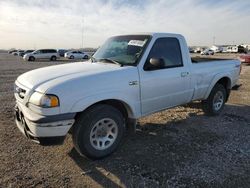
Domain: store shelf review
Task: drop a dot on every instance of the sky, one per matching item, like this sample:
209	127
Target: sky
29	24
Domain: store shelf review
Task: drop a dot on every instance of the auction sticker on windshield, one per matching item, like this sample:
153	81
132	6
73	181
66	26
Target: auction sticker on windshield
136	43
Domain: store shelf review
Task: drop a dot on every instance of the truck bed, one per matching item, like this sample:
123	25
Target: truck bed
205	59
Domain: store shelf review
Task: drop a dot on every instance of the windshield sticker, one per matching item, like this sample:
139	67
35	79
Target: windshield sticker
136	43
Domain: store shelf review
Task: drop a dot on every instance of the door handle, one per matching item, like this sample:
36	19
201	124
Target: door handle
184	74
132	83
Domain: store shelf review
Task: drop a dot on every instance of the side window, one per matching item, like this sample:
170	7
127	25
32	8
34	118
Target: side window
168	50
51	51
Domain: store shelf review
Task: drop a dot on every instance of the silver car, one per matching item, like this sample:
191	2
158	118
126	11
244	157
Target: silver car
42	54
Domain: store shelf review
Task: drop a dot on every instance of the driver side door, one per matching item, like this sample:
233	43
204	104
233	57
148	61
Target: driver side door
39	54
169	85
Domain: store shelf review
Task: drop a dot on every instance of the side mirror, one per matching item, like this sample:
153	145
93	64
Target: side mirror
155	63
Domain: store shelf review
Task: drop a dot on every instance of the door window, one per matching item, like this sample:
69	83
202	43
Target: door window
168	50
43	51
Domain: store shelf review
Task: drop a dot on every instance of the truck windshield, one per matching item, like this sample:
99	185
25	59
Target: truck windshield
125	50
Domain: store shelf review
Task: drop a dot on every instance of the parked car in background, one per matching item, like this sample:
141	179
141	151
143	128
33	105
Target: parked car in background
76	55
25	52
20	52
42	54
11	51
245	58
15	53
61	52
199	49
207	52
217	48
191	50
242	49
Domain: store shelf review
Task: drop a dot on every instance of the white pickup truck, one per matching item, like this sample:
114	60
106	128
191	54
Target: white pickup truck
129	77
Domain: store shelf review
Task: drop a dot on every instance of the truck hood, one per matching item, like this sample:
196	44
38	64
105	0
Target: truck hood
37	77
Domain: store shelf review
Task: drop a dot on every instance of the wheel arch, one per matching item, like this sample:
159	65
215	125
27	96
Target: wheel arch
53	56
223	80
121	105
30	57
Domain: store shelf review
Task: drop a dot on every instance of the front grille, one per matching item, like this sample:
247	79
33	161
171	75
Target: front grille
20	92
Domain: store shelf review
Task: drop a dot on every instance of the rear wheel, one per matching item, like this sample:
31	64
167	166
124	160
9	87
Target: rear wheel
214	104
72	57
98	131
85	57
53	58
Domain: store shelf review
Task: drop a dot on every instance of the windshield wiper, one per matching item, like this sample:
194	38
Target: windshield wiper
111	61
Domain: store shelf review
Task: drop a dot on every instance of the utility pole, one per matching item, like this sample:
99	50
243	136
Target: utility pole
214	40
82	30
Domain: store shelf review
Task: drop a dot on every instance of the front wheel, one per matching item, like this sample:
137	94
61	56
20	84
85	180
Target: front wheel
31	58
98	131
214	104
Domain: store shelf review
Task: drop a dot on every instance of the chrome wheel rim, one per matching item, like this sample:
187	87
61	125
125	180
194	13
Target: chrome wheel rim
103	134
218	100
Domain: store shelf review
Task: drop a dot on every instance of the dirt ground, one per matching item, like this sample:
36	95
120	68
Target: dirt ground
180	147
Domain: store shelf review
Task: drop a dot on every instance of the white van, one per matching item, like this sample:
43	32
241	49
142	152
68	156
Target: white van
49	54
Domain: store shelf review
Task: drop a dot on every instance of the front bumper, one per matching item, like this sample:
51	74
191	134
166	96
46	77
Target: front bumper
25	57
44	128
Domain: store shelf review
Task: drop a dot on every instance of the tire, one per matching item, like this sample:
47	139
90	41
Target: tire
32	58
85	57
102	122
72	57
53	58
215	102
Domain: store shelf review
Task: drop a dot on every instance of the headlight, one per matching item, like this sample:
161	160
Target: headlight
44	100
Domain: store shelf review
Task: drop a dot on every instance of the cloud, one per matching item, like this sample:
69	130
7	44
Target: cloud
59	23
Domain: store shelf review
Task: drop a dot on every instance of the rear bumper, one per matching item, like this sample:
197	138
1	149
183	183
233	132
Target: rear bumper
45	128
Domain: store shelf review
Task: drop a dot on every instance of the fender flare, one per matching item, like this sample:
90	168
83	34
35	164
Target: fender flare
216	78
82	104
